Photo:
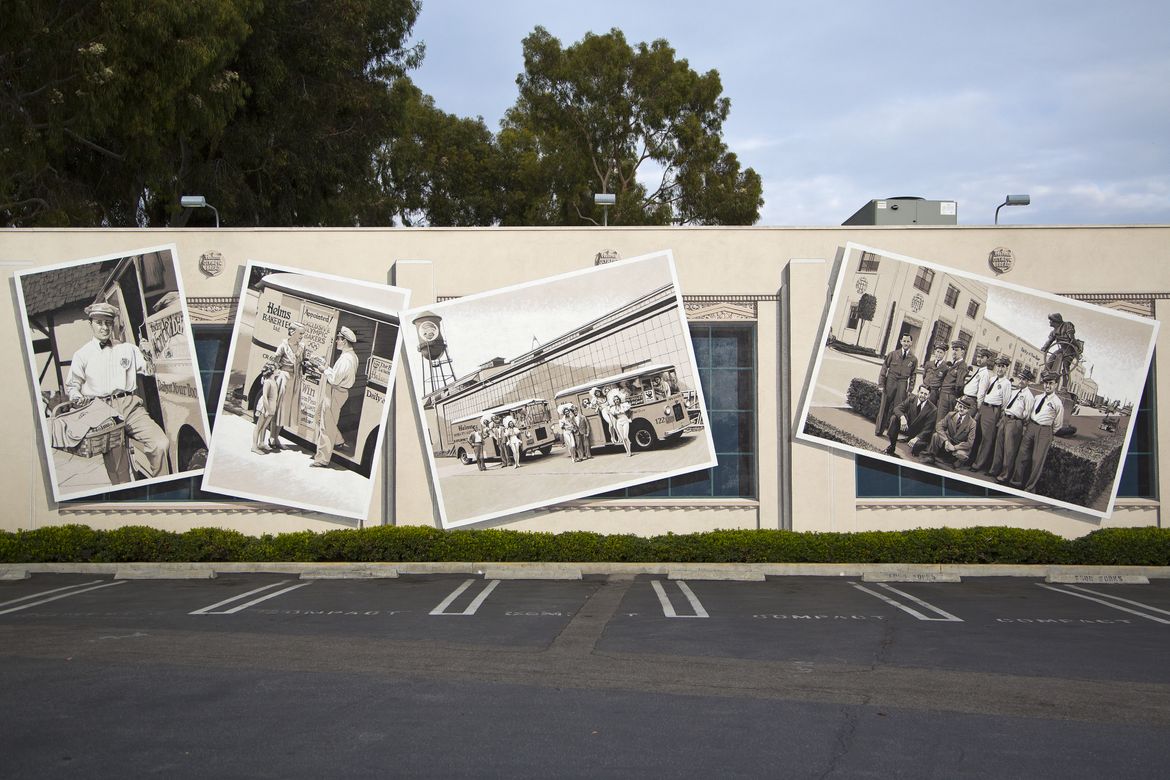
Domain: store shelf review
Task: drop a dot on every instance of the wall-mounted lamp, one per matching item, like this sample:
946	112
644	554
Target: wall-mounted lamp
1012	200
198	202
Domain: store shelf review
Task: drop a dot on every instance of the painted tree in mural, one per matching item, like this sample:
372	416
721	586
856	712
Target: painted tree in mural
605	116
866	308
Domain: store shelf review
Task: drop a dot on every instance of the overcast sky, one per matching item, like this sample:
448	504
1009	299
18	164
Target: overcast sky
838	103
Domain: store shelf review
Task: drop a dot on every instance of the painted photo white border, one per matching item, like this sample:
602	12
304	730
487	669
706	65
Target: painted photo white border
849	249
224	389
440	307
46	435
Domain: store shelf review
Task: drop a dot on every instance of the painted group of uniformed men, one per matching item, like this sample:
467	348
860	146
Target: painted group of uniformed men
969	417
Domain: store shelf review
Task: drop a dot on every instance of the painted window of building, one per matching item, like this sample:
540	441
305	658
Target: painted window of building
726	358
869	263
853	318
973	310
924	279
941	335
878	479
952	297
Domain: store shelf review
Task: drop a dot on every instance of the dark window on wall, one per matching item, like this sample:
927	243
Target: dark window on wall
878	479
869	263
853	318
211	348
1139	476
726	358
973	309
924	279
952	296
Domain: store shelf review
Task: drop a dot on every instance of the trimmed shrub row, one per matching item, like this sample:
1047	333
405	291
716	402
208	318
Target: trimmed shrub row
81	544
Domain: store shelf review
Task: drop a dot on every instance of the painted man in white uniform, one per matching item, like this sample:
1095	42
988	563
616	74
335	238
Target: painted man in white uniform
335	385
107	369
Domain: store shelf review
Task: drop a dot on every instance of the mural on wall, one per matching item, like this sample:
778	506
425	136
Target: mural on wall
557	389
111	360
1022	391
303	409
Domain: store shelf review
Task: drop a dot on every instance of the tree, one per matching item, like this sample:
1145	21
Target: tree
866	308
602	115
98	97
114	108
301	149
436	168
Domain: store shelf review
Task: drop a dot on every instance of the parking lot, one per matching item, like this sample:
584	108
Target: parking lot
665	675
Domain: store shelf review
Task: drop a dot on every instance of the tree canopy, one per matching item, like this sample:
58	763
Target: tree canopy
605	116
113	108
287	113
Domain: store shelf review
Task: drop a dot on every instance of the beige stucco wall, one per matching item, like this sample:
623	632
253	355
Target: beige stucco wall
788	270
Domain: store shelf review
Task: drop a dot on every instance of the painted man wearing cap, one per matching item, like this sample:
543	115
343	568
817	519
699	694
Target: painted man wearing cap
954	436
952	384
897	372
335	384
998	391
1016	412
934	371
107	369
1046	419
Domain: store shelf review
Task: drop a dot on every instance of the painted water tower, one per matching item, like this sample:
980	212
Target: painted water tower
432	345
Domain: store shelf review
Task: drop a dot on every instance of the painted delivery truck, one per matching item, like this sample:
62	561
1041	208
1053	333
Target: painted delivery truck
286	299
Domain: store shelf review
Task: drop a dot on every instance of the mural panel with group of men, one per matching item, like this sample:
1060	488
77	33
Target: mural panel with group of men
1019	390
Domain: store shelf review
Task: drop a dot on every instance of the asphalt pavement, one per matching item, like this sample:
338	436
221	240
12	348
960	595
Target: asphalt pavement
442	675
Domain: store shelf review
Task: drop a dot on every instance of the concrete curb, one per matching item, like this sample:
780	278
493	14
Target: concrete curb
529	570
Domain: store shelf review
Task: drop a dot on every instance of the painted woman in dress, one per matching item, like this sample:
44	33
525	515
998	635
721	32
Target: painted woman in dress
599	402
619	411
512	437
289	357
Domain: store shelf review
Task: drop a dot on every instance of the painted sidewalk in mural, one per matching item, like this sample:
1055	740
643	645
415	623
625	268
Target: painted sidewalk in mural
470	492
828	405
286	473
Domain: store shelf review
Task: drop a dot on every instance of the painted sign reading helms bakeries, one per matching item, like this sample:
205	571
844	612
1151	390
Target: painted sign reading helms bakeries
972	378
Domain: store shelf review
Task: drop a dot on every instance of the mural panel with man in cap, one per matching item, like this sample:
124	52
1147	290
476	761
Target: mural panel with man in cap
109	345
973	378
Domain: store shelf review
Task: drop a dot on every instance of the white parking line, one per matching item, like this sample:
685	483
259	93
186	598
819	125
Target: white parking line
72	592
947	617
47	592
210	609
473	606
1110	604
668	608
1119	598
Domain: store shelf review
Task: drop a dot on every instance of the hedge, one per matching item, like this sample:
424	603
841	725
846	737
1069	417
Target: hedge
865	397
81	544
